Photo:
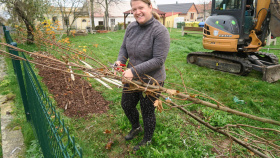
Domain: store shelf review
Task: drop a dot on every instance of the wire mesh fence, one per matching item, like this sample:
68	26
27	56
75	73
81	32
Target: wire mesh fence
53	136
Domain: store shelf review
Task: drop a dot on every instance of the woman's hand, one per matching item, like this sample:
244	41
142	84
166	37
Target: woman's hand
128	75
117	64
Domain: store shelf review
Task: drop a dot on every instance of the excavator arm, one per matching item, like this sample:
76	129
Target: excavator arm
262	20
267	14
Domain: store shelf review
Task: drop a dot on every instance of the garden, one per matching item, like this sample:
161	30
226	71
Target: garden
94	115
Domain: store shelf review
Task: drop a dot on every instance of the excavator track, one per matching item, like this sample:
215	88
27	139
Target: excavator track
268	57
227	62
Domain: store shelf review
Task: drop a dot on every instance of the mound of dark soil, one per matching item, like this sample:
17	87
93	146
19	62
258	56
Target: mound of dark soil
77	98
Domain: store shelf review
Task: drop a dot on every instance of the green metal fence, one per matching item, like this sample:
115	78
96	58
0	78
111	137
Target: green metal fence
53	136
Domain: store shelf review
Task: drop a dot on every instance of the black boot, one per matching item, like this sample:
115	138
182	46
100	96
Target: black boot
141	144
133	133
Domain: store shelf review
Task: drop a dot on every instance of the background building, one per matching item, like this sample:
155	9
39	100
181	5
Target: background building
116	15
203	10
170	16
187	10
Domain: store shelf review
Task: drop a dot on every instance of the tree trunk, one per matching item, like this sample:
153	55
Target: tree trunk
106	15
92	14
30	36
68	30
28	23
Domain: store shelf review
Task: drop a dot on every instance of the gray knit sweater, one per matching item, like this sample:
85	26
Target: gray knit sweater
146	46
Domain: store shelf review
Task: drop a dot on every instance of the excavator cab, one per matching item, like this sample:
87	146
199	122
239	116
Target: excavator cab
235	31
228	28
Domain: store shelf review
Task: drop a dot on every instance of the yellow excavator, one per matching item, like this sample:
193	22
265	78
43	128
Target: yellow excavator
236	30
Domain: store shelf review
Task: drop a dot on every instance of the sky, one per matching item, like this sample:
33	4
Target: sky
180	1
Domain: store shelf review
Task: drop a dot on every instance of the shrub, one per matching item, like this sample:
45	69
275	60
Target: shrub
100	27
120	25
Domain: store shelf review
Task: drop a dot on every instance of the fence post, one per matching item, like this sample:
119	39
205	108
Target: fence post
7	35
8	41
18	71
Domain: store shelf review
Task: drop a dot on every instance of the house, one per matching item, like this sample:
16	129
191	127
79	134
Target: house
82	13
187	10
54	15
83	21
204	11
170	16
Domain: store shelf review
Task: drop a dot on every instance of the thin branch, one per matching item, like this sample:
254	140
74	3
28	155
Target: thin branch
238	125
221	132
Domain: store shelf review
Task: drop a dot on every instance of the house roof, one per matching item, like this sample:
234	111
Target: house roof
200	7
159	11
171	13
178	7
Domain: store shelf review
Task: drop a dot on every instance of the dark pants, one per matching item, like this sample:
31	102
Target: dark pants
129	101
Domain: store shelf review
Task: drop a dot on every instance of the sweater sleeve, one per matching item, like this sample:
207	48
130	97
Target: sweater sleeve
160	50
123	55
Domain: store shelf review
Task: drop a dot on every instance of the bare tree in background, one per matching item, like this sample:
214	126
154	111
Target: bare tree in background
105	4
204	7
92	13
71	8
27	11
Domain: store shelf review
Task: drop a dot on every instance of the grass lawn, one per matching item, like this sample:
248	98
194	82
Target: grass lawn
176	134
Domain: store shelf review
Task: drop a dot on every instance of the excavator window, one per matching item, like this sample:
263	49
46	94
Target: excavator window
249	12
249	7
227	4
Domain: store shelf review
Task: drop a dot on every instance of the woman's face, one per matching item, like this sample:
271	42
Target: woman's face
142	12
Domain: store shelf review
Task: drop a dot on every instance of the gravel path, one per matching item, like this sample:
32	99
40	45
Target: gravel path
12	139
2	68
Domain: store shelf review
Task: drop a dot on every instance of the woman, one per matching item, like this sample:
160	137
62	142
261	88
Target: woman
146	45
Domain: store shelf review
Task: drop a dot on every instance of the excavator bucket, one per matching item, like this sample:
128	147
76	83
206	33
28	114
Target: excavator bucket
275	16
271	73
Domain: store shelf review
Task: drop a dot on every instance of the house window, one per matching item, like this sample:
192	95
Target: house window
84	20
112	21
54	19
100	23
192	15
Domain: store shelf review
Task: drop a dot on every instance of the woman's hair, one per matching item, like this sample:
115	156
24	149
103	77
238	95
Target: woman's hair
148	2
